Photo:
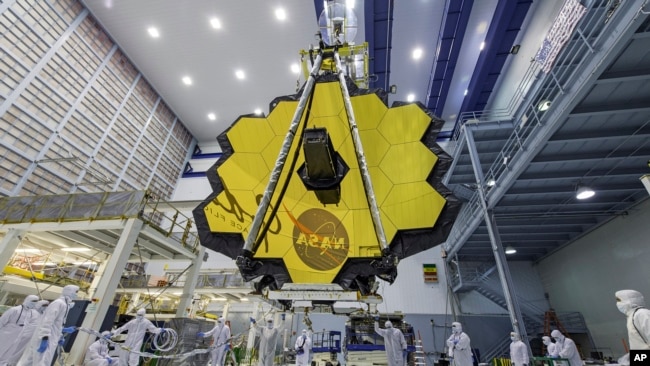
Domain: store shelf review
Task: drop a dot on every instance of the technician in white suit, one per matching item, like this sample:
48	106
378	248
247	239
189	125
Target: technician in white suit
459	346
41	348
12	324
394	343
137	328
268	340
97	353
27	333
518	350
566	348
632	304
220	336
303	349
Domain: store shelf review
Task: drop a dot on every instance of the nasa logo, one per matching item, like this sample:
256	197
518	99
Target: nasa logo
320	239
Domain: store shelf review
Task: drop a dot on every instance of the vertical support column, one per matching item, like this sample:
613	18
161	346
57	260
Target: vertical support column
96	279
190	284
497	248
226	309
134	303
9	244
106	286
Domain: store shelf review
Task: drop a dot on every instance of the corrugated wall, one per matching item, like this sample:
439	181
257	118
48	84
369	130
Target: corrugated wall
75	113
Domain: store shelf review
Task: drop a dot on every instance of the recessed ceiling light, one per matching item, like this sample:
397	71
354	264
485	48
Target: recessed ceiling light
153	32
212	116
584	192
239	74
417	54
295	68
215	23
187	80
482	46
510	250
280	14
410	97
258	111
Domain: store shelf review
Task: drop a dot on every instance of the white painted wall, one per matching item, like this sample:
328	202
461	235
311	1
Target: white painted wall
409	293
585	275
195	188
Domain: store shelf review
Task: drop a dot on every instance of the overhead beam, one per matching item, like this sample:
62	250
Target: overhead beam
164	241
66	225
609	109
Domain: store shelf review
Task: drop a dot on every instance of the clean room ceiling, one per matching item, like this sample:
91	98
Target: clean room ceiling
600	138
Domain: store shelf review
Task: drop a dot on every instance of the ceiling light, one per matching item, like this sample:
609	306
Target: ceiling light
510	250
350	4
295	68
410	97
28	250
239	74
75	249
215	23
153	32
544	105
280	14
243	299
482	46
220	299
584	192
491	182
212	116
187	80
417	54
465	92
258	111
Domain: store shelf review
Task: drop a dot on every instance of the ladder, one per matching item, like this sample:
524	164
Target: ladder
551	317
419	357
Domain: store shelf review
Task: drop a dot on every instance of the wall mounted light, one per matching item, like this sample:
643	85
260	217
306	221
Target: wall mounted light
510	250
584	192
544	105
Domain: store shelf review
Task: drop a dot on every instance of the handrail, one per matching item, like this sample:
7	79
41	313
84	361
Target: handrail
98	206
534	88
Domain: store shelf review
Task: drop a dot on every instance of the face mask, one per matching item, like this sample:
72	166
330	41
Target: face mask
513	338
455	330
31	305
557	339
269	325
622	307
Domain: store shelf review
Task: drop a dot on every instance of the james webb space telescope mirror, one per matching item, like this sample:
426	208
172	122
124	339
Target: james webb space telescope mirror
333	186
